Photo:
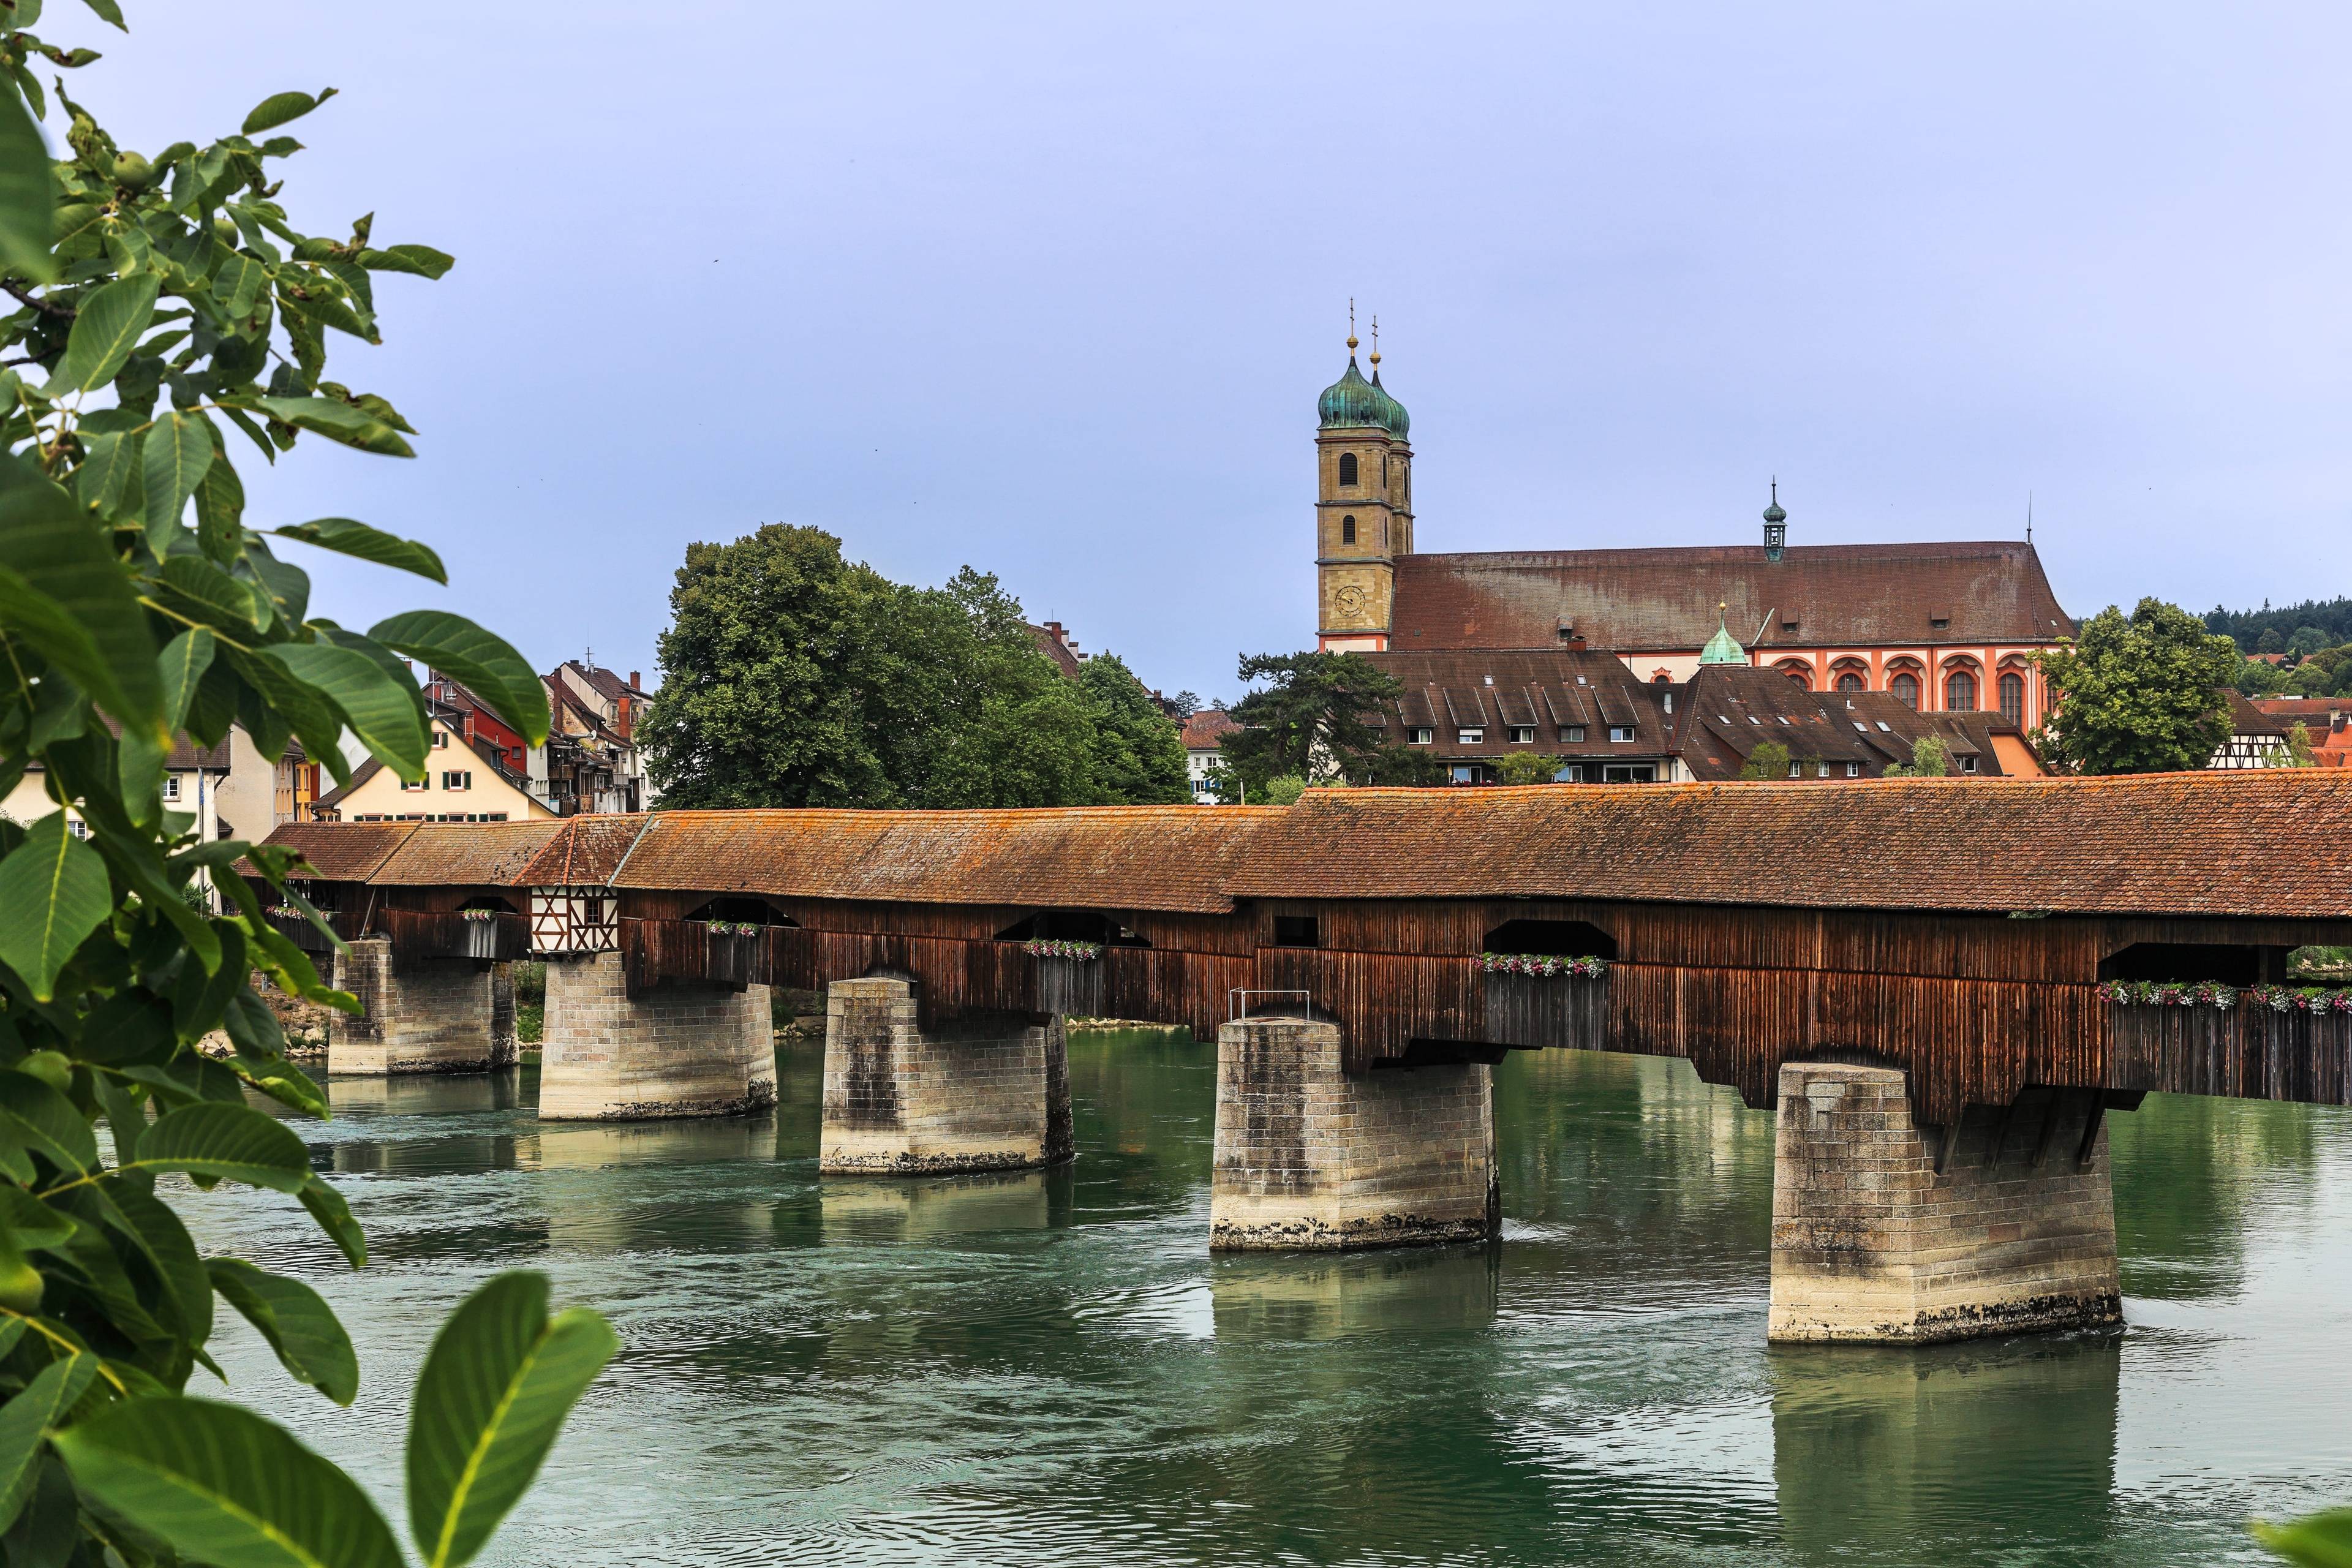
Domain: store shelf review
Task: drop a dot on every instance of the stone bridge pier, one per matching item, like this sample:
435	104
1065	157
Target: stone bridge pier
1309	1157
679	1049
422	1015
988	1093
1886	1232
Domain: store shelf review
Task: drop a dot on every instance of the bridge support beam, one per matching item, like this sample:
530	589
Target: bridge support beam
430	1017
1308	1157
902	1101
1873	1244
676	1050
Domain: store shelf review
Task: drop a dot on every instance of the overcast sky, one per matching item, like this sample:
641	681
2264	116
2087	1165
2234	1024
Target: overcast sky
1052	291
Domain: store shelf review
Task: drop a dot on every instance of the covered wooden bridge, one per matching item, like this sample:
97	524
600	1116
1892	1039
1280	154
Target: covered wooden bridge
1947	948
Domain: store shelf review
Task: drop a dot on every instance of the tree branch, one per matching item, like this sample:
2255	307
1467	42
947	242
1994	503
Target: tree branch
25	297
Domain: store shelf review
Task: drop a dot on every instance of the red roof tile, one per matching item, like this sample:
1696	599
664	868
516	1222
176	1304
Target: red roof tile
463	854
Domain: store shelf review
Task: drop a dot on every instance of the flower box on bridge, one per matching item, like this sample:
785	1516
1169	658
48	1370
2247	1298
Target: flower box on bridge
296	927
485	936
2265	1042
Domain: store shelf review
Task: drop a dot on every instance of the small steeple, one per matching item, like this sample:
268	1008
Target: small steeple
1722	647
1376	351
1776	524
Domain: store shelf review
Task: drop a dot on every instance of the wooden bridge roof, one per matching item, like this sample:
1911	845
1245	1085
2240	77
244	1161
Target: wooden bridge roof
2192	844
340	851
466	853
1172	857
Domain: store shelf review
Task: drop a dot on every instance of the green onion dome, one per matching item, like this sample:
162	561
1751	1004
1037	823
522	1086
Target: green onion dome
1722	647
1394	416
1351	402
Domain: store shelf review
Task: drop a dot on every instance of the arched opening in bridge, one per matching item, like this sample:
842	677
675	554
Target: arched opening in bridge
743	911
2223	963
1563	939
1073	925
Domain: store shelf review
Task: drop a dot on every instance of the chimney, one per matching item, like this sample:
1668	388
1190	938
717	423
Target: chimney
633	682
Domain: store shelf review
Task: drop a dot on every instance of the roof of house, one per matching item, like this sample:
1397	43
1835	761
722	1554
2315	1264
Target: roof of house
602	679
1725	711
1839	595
1553	689
2185	844
2245	719
1134	857
1206	729
462	854
1064	657
488	755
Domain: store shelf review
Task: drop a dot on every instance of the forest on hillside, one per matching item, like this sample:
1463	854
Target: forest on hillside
2307	627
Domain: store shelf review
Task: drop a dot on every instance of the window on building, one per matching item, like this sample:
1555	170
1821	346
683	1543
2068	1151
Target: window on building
1853	770
1423	736
1347	531
440	740
1572	773
457	778
1968	764
426	783
1474	737
1796	770
1960	691
1346	467
1572	734
1850	682
1465	773
171	787
2013	697
1523	734
1630	773
1621	732
1906	688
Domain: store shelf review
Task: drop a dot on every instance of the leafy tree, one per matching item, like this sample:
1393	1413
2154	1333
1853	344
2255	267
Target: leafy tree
793	677
1138	753
168	302
1768	760
1310	719
2299	745
1930	759
2270	641
1415	767
1526	768
1283	791
2137	694
2333	617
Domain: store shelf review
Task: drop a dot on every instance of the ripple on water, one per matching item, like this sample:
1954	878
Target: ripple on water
1051	1369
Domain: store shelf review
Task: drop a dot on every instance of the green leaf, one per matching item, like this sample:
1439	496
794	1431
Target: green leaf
108	11
334	1217
347	537
279	108
47	1122
336	421
500	1379
383	716
233	1142
109	476
30	1222
27	200
220	512
237	282
2316	1541
53	894
198	587
224	1486
107	327
457	647
51	548
164	1241
421	260
181	669
178	451
295	1320
26	1419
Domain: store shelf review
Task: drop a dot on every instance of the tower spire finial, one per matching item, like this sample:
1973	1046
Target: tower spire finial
1351	324
1376	343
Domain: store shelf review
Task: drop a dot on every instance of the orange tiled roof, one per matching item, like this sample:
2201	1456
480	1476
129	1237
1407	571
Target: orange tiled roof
588	850
466	853
1175	858
340	851
2224	843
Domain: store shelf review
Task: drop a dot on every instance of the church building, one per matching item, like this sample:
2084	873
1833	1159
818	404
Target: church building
1943	628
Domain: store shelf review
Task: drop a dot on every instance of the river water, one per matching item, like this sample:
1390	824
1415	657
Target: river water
1051	1368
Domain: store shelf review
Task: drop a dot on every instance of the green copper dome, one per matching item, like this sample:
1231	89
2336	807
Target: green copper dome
1353	403
1398	421
1722	647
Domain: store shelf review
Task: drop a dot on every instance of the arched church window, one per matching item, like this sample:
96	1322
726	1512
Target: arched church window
1346	467
2013	697
1849	681
1960	691
1347	531
1906	688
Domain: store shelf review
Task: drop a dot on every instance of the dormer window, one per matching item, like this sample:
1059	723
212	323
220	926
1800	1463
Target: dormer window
1523	734
1621	733
1348	467
1421	737
1573	734
1472	737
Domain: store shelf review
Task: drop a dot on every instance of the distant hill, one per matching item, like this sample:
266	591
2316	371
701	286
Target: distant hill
2331	618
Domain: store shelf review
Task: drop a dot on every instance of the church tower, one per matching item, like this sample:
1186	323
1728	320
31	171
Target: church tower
1363	506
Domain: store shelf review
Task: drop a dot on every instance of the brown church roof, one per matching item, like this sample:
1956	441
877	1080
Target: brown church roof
1130	858
1839	595
2185	844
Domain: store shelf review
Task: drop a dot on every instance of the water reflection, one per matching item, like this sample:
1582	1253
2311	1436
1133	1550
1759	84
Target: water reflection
1048	1367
